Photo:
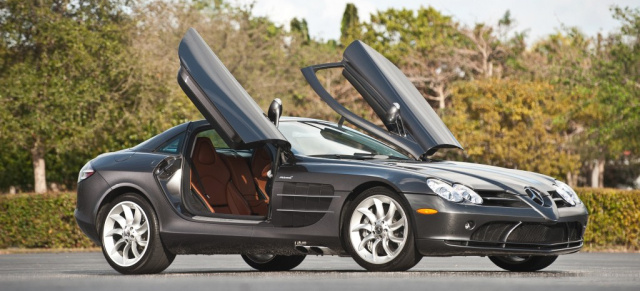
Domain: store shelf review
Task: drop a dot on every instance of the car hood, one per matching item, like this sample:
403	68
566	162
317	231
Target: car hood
382	84
220	97
481	177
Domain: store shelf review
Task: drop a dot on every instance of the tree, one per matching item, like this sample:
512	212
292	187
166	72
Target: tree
350	28
65	63
617	93
484	50
601	74
512	124
423	44
300	27
619	75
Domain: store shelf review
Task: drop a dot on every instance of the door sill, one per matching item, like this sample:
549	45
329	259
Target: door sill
232	219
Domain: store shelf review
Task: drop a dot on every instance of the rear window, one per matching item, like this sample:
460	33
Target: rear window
215	138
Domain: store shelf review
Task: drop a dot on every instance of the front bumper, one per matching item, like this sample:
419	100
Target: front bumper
89	195
87	227
467	229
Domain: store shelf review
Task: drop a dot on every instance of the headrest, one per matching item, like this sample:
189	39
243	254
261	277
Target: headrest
204	151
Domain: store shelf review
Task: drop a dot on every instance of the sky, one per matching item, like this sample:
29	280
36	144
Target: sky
538	17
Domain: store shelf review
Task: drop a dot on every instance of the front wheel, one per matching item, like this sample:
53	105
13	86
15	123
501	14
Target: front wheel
523	263
265	262
131	238
378	233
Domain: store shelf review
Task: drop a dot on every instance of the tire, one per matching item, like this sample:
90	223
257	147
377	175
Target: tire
272	262
378	231
130	236
523	263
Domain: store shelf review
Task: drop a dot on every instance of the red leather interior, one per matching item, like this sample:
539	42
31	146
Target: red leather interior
260	167
215	180
198	191
243	182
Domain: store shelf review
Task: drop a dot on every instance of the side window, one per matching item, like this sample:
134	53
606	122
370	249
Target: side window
217	141
172	146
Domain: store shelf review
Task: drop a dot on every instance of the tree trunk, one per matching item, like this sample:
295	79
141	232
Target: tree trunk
601	163
441	97
37	158
597	173
571	180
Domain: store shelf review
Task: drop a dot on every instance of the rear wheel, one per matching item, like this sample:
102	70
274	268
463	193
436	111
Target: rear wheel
523	263
378	233
130	236
264	262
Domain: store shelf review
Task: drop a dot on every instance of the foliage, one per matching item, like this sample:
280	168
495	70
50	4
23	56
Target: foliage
350	28
263	57
614	218
68	79
602	75
425	44
40	221
618	75
300	27
512	124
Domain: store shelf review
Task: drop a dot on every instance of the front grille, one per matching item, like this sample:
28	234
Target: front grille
539	233
522	246
557	199
499	198
528	233
492	231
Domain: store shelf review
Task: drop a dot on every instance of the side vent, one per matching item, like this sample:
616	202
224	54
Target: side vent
303	204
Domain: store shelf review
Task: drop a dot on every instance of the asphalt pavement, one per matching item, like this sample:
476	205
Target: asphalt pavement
90	271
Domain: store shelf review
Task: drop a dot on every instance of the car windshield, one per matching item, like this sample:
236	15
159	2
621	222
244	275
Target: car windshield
324	140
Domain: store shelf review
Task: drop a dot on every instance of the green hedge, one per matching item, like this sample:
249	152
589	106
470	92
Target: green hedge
40	221
46	221
614	218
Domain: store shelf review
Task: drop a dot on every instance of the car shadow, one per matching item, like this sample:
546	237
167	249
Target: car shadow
345	273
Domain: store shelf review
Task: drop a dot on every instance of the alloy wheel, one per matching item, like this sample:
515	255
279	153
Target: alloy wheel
378	229
125	234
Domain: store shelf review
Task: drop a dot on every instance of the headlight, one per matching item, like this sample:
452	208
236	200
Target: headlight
467	193
85	172
444	190
567	193
457	193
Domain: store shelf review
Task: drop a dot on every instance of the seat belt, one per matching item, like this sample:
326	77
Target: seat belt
194	171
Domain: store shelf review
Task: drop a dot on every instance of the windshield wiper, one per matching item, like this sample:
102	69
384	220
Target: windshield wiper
357	156
378	156
337	156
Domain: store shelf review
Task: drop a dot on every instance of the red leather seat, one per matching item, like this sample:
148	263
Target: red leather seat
213	180
260	167
243	182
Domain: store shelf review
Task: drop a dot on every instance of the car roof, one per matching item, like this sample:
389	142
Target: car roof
154	142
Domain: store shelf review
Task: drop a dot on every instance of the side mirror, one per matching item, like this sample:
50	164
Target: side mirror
393	121
275	111
392	114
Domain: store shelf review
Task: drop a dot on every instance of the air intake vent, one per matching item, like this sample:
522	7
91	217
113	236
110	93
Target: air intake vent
533	233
